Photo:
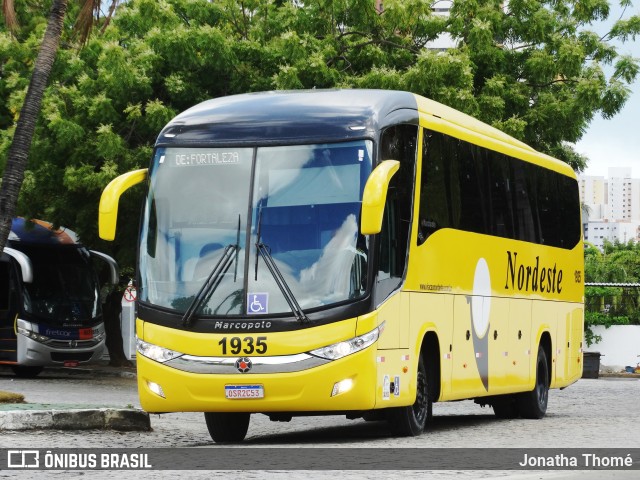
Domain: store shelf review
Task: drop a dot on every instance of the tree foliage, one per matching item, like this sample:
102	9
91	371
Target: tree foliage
616	304
18	150
535	69
617	263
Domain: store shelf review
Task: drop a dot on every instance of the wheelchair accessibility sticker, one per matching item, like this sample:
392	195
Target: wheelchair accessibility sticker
257	303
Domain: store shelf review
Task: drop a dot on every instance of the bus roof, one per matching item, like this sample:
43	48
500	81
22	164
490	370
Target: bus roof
40	232
287	116
303	116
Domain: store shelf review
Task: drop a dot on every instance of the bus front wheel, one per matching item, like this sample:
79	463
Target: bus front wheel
227	427
533	404
410	421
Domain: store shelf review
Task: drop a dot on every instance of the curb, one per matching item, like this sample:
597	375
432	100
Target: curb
126	420
99	369
94	370
619	375
104	372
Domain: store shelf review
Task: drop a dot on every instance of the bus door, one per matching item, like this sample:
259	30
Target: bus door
8	343
574	370
397	143
568	345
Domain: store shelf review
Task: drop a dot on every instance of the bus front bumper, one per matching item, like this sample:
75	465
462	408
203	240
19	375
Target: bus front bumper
346	384
34	353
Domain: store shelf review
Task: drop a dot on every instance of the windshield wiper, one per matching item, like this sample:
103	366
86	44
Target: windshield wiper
281	282
235	273
211	284
288	295
214	279
258	234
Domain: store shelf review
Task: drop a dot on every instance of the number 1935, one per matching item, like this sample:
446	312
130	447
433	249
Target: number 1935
246	345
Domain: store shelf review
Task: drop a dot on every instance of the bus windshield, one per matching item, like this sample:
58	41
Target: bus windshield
64	288
209	208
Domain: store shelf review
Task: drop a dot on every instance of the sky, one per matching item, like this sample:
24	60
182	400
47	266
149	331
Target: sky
616	142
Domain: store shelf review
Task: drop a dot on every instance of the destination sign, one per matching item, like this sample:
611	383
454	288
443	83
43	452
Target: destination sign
195	159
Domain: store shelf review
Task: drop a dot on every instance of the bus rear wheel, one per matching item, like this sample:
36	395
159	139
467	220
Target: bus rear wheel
24	371
227	427
411	420
533	404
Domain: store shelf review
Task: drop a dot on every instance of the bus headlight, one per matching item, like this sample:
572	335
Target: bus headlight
155	352
347	347
30	330
99	333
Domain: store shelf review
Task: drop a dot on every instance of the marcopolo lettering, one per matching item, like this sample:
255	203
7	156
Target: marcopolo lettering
242	326
532	277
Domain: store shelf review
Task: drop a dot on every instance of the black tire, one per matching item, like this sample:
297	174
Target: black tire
24	371
410	421
506	406
227	427
533	404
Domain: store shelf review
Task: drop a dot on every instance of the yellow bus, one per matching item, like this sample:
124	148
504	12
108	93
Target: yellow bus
356	252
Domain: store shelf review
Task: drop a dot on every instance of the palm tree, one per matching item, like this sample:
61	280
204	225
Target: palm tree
19	151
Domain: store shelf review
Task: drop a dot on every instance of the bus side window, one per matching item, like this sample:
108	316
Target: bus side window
440	195
397	143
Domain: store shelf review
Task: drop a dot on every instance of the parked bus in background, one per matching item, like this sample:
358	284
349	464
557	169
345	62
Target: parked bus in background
355	252
50	309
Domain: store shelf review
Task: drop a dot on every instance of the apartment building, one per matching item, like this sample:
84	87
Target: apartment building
611	207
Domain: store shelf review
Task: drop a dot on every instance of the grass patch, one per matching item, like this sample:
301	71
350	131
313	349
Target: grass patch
9	397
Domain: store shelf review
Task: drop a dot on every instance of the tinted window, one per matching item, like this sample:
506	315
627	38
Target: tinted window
397	143
471	188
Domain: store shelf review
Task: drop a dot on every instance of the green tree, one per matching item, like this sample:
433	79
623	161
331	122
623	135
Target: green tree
25	124
616	304
617	263
19	151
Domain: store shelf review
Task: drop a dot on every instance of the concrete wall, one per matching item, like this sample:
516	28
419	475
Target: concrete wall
619	347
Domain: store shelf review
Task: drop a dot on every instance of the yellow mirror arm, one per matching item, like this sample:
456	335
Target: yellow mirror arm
375	195
108	210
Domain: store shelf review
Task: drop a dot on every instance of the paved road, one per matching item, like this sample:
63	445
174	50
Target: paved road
589	414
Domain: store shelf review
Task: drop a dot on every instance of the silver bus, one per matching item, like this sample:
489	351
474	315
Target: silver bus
50	308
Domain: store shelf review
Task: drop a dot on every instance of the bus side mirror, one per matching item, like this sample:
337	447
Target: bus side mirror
23	261
114	272
108	211
375	196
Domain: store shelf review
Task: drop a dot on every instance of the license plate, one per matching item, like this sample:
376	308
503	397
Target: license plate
240	392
